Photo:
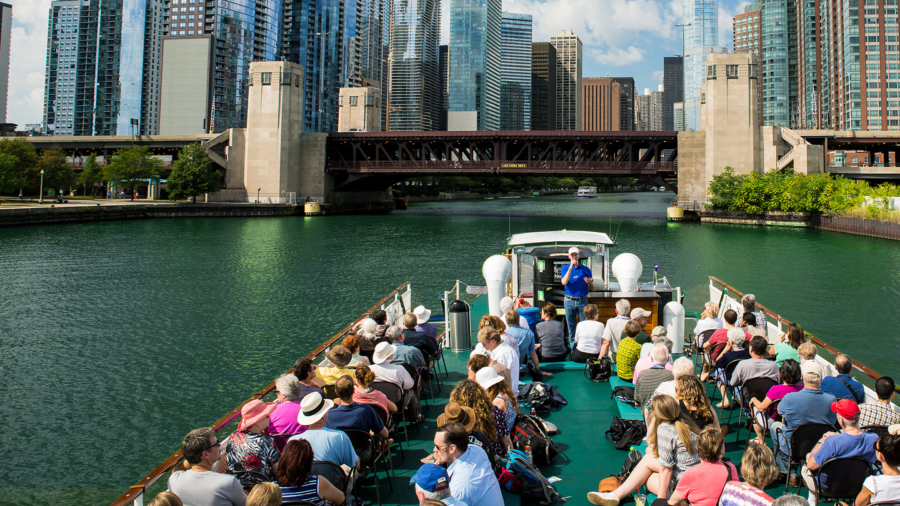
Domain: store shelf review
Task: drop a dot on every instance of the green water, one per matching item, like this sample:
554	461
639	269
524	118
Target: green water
118	338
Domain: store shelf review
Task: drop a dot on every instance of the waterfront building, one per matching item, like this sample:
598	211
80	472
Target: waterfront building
626	108
678	116
602	104
414	66
475	48
568	80
5	38
656	109
359	109
186	90
102	73
809	69
642	111
673	77
369	50
779	53
444	61
748	39
700	40
543	86
515	71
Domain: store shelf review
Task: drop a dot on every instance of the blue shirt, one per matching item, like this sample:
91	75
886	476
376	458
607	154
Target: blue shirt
577	286
472	479
331	445
845	445
354	416
837	388
525	338
806	406
532	315
408	355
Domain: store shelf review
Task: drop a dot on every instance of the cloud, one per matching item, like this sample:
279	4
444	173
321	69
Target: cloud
726	24
658	76
27	60
617	57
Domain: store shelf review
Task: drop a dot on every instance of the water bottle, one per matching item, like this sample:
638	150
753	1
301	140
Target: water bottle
533	411
655	275
528	453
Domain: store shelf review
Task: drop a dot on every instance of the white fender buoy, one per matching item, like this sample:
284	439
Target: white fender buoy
627	269
497	271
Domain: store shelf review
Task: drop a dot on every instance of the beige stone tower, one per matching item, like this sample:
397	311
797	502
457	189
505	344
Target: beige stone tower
359	109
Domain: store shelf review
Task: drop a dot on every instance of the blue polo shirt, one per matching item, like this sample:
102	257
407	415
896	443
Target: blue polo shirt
577	286
806	406
844	445
532	315
525	338
834	386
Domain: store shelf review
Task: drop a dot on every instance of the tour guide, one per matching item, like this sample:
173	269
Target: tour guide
578	281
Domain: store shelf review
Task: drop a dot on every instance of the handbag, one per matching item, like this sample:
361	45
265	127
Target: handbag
598	370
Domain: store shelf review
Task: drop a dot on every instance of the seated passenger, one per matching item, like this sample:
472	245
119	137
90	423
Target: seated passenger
629	351
351	342
472	479
807	351
293	476
748	324
850	442
524	340
265	494
642	318
365	394
404	354
749	303
477	362
465	416
327	444
708	320
433	482
416	339
757	366
551	334
788	346
531	314
646	361
489	419
507	304
386	371
657	373
702	484
843	386
305	371
694	403
199	485
682	367
338	359
496	323
881	411
612	332
352	415
758	469
283	419
764	411
587	345
500	394
422	325
672	450
884	488
367	333
501	352
717	342
657	332
734	351
250	448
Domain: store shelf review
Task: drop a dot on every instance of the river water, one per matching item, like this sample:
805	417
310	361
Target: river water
119	338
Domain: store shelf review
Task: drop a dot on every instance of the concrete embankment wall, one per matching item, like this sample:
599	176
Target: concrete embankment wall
778	219
859	226
847	224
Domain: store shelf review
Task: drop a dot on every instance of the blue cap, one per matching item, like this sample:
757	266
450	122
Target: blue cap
431	478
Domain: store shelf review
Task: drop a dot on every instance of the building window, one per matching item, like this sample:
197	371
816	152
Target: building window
710	71
731	71
703	98
340	100
353	100
251	79
296	80
266	78
285	78
370	100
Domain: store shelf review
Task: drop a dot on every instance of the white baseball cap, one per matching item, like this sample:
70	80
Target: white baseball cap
574	249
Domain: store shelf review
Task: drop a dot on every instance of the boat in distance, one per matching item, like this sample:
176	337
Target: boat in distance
586	192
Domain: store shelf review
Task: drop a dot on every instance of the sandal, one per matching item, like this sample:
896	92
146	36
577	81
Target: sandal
726	406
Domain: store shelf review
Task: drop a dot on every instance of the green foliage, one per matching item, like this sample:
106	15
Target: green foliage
192	174
132	165
723	187
12	177
22	150
91	173
58	173
568	182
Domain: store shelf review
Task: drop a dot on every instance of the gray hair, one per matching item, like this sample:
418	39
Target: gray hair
683	367
712	309
737	337
394	333
289	386
438	496
368	325
506	304
623	307
791	500
749	302
659	354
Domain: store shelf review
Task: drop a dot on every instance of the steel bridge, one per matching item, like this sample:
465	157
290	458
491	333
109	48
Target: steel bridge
376	160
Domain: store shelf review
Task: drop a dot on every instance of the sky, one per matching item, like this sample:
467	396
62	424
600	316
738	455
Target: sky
622	38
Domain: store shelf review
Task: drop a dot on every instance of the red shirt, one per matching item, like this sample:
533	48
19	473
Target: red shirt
719	340
702	484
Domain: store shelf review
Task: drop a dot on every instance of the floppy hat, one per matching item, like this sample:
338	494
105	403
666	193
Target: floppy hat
339	355
431	478
382	352
639	312
847	409
253	412
312	408
422	314
454	413
487	377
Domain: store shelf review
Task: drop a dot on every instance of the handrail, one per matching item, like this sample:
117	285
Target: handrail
818	342
138	489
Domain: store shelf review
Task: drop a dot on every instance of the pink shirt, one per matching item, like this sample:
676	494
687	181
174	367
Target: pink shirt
778	392
702	484
646	363
284	419
372	397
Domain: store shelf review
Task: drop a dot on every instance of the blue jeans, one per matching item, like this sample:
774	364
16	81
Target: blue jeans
572	318
781	456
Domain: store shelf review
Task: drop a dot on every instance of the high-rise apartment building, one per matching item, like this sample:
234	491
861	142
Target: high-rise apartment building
701	39
779	52
414	60
673	77
748	39
842	102
102	68
808	65
475	49
543	86
5	39
656	109
242	31
444	62
372	42
642	111
515	71
602	100
626	111
568	80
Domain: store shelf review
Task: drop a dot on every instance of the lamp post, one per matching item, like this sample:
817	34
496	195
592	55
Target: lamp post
322	79
41	198
257	194
683	61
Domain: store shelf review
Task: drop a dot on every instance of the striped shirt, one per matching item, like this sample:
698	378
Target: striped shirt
741	494
309	491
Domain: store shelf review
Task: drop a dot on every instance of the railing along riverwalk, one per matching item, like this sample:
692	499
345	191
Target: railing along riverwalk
135	493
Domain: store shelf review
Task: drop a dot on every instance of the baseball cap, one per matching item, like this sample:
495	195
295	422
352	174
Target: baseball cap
848	409
431	478
639	312
574	249
811	367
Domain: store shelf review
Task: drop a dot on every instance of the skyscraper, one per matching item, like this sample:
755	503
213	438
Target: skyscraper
372	43
673	77
444	59
602	99
415	87
243	31
842	101
700	39
568	80
475	49
515	75
748	39
5	38
642	111
543	86
656	109
778	27
808	67
102	72
626	111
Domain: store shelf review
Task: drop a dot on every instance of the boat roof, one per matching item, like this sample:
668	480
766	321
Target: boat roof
560	236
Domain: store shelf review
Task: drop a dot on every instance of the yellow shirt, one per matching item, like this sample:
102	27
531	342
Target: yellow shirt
330	375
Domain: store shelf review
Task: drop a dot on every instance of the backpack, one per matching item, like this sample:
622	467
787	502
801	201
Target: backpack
528	430
615	480
598	370
625	394
535	487
625	433
540	396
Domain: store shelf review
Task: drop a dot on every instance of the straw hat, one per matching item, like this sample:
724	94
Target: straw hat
340	356
454	413
487	377
382	352
422	314
312	408
253	412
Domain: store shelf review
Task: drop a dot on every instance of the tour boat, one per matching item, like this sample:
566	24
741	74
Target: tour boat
587	192
529	266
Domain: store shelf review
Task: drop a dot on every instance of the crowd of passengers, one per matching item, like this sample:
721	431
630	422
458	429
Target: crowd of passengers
288	450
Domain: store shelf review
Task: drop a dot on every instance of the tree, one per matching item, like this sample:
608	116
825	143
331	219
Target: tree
25	155
91	173
130	166
12	177
58	173
568	182
192	174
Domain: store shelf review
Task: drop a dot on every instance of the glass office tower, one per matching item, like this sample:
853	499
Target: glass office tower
515	76
700	39
414	61
569	92
778	24
673	75
475	62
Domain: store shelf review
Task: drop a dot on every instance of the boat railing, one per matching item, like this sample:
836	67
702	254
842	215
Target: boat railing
398	298
826	353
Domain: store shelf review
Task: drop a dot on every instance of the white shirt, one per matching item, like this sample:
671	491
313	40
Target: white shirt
587	336
613	332
508	356
393	373
706	324
884	488
646	348
472	479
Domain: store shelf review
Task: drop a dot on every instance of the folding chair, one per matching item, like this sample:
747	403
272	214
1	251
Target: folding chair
753	388
802	441
845	479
